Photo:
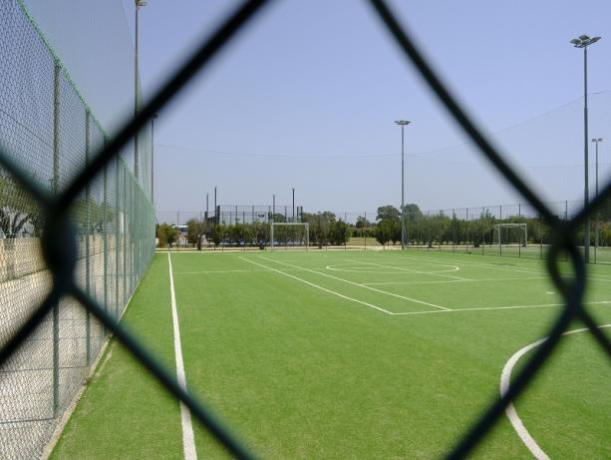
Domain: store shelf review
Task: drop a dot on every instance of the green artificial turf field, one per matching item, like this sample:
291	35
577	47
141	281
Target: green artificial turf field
378	354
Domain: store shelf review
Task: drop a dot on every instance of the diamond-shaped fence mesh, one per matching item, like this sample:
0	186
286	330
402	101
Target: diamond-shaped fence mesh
66	193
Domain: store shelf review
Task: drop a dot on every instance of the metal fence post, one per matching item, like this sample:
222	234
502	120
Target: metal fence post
87	247
365	230
454	224
124	222
117	230
105	240
56	151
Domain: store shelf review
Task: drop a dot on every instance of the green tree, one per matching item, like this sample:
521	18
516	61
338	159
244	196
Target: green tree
362	222
412	212
383	232
339	232
218	233
389	213
196	229
19	212
167	235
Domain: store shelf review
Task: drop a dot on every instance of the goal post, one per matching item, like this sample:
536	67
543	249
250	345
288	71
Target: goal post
511	234
297	234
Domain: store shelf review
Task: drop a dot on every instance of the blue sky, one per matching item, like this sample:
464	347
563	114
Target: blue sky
307	95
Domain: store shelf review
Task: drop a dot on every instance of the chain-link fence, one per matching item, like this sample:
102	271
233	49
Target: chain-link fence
504	230
235	214
50	132
52	329
513	230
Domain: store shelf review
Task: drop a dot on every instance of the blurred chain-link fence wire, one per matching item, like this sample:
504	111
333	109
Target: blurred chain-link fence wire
48	129
65	189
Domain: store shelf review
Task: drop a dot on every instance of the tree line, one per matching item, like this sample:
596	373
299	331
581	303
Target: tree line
325	228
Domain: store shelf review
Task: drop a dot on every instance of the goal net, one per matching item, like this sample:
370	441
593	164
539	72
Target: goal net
289	234
511	236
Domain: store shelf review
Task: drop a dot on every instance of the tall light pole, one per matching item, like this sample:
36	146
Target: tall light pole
293	204
139	4
583	42
597	225
153	158
403	124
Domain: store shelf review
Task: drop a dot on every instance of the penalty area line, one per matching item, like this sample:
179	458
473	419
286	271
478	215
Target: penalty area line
316	286
188	439
364	286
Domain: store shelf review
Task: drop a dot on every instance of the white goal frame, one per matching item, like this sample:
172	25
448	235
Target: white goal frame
498	227
289	224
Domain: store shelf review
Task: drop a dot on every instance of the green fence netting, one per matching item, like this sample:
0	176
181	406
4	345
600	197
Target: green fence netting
95	227
50	132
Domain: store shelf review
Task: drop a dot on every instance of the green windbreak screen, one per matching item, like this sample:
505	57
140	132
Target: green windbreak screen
47	128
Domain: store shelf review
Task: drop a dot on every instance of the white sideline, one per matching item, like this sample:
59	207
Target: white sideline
316	286
188	439
511	412
364	286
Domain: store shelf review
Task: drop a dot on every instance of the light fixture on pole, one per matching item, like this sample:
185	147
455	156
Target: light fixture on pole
583	42
596	141
403	124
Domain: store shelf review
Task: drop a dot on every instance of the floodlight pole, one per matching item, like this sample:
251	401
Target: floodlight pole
597	224
583	42
138	3
403	124
586	191
153	159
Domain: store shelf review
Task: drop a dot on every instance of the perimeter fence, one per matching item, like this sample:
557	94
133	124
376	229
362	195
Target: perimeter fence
504	230
49	132
235	214
62	243
513	230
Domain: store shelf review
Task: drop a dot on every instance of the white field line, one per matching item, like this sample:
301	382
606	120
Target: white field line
350	268
511	412
316	286
503	280
410	270
188	439
353	283
508	307
510	268
493	266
